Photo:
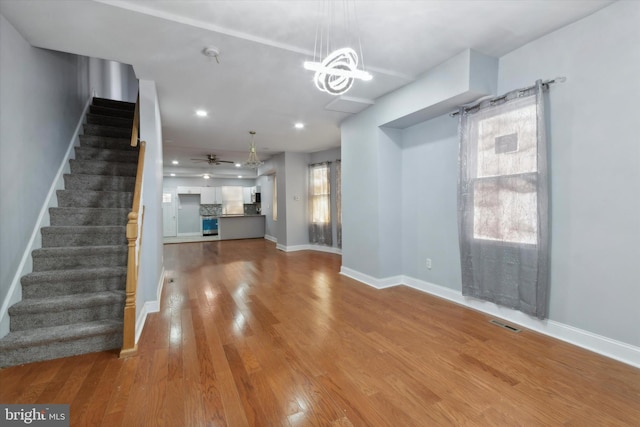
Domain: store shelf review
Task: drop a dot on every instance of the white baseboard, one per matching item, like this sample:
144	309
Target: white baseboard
270	238
25	267
319	248
149	307
370	280
618	350
197	233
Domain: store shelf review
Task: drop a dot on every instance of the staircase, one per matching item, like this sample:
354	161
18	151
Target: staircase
73	301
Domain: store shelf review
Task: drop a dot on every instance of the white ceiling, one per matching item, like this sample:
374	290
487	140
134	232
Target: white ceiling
259	83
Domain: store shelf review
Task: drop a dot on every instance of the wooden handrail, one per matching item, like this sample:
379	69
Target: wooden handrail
129	346
136	123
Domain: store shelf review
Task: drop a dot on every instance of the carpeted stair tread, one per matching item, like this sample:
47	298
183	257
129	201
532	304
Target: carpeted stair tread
102	130
94	199
108	111
66	302
100	167
122	122
72	275
112	103
78	181
52	334
83	235
66	282
79	257
95	141
66	309
73	300
107	155
88	216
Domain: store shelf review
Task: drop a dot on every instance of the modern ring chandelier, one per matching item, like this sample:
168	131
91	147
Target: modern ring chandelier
253	162
336	73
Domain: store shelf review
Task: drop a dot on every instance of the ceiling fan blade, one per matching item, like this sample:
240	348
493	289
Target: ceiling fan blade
199	160
225	161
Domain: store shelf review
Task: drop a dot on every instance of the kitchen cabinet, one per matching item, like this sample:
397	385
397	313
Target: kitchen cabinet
211	196
246	195
189	190
241	227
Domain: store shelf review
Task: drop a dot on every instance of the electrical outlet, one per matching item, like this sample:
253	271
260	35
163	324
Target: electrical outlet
429	263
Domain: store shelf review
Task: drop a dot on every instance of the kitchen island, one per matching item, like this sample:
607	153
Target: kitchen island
241	226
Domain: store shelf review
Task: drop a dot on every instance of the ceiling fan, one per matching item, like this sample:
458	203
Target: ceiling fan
212	159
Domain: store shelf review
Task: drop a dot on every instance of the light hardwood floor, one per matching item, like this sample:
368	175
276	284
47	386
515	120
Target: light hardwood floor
248	335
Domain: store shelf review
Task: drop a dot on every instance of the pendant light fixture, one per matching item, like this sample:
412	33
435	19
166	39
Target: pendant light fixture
253	161
336	73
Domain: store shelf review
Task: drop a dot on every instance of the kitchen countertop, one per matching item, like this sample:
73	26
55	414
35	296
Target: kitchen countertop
241	226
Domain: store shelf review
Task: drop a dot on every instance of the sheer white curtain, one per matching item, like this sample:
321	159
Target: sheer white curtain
320	204
275	198
503	201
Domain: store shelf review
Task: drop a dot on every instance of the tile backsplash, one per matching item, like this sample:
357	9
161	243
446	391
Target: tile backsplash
216	210
210	210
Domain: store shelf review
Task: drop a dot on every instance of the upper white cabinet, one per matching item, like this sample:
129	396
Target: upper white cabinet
211	196
189	190
246	194
208	196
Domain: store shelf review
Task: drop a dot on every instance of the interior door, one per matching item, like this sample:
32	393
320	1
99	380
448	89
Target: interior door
169	227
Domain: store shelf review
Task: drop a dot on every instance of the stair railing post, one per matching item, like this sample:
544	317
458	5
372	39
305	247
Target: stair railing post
129	346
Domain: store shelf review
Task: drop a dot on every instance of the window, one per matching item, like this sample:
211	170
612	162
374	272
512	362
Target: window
320	194
320	230
275	199
504	186
503	201
232	200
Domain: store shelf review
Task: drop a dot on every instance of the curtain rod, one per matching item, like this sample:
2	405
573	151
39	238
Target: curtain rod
545	83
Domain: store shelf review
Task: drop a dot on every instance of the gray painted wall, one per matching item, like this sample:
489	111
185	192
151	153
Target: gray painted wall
113	80
360	196
595	166
390	198
266	192
290	170
296	199
595	177
371	158
429	202
151	257
42	97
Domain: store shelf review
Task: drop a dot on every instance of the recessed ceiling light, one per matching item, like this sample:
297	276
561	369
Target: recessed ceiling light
206	177
299	125
239	176
173	174
201	113
175	162
238	165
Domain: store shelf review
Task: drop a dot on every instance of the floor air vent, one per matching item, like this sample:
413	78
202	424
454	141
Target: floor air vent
504	325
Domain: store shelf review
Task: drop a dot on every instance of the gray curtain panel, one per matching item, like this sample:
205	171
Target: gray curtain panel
503	201
320	204
339	202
